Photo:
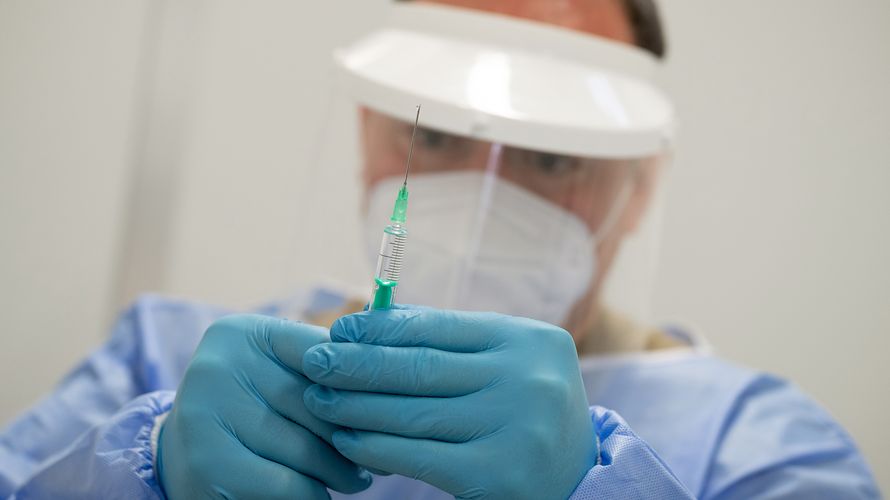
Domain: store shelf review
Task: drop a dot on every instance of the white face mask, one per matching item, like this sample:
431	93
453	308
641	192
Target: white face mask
479	243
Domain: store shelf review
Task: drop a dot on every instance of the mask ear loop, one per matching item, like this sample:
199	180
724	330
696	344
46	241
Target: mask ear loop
617	209
486	195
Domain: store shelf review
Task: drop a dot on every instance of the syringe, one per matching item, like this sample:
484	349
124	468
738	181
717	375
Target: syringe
392	249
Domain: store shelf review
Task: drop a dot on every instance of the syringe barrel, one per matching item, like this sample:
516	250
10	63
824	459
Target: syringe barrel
392	251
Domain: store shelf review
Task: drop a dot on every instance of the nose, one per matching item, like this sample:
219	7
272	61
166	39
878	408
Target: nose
481	156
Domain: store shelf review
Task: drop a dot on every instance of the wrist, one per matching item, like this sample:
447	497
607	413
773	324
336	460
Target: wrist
156	447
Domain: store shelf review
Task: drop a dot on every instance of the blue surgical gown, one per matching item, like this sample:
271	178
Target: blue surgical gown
672	424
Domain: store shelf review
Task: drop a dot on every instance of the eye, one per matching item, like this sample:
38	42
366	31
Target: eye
431	139
552	164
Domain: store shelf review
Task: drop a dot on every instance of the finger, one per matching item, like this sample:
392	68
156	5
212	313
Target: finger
280	340
284	442
288	340
264	479
421	459
419	327
285	342
414	371
287	400
283	392
274	481
238	473
454	420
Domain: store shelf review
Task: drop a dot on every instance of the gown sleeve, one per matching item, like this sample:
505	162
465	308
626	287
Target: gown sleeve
780	444
626	466
91	437
776	443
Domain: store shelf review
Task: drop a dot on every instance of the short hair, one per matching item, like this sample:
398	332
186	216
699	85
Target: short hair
645	21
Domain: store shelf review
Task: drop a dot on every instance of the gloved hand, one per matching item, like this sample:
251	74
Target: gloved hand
239	428
480	405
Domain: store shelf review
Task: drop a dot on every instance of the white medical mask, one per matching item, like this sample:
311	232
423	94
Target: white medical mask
479	243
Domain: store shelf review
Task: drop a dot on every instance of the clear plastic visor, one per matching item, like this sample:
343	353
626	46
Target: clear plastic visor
496	227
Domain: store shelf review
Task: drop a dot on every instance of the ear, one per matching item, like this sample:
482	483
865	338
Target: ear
364	125
364	119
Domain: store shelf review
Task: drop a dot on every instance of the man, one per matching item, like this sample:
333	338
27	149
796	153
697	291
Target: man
183	402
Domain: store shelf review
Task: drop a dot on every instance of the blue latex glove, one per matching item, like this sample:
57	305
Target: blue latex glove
239	428
479	405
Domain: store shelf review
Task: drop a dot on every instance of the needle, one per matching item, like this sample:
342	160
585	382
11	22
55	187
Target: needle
411	150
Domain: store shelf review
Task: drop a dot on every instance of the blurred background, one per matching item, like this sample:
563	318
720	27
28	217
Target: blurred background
165	146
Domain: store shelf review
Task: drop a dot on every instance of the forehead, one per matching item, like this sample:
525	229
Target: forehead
605	18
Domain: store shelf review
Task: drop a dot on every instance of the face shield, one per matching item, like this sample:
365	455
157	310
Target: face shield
533	181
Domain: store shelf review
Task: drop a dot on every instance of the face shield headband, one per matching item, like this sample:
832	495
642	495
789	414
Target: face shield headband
532	140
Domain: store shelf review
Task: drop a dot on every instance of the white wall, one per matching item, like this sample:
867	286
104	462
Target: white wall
778	228
776	222
68	83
